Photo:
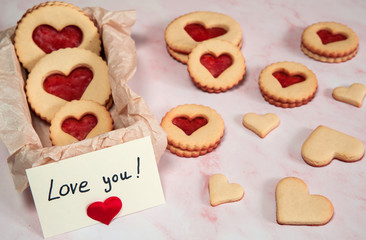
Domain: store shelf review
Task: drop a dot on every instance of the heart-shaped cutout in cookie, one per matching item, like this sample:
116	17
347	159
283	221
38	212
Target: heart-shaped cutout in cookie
221	191
353	95
105	211
261	124
69	87
49	39
189	126
286	79
328	37
79	128
295	206
325	144
200	33
216	65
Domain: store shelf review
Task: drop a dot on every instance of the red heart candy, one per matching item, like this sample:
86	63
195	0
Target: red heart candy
189	126
199	33
287	80
79	129
69	87
49	39
216	65
328	37
105	211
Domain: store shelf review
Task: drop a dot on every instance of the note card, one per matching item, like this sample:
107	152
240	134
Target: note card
96	187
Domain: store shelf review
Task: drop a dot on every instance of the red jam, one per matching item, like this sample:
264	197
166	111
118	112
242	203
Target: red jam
79	128
189	126
287	80
216	65
49	39
199	33
69	87
328	37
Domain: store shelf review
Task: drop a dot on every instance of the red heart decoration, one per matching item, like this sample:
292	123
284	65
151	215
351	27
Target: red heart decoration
287	80
189	126
216	65
199	33
49	39
105	211
71	87
79	129
328	37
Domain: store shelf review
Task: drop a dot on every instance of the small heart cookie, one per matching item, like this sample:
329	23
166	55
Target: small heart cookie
261	124
325	144
353	95
295	206
223	192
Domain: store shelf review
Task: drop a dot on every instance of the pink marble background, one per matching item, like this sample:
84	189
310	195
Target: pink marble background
271	33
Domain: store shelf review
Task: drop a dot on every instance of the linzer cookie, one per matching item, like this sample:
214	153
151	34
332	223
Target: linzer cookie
193	130
78	120
51	26
287	84
329	42
187	31
66	75
216	65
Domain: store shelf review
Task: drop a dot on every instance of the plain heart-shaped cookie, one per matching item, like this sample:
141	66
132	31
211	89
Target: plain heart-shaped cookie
105	211
261	124
223	192
325	144
353	95
295	206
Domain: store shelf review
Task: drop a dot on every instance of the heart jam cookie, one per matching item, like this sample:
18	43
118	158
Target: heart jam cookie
192	130
187	31
66	75
261	124
353	95
78	120
287	84
50	26
329	42
223	192
216	66
295	206
325	144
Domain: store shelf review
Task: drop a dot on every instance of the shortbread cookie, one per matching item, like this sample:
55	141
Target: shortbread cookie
353	95
223	192
329	42
51	26
261	124
287	84
192	127
185	32
66	75
325	144
189	154
78	120
295	206
216	65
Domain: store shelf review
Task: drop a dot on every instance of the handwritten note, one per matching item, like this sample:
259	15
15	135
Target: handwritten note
63	191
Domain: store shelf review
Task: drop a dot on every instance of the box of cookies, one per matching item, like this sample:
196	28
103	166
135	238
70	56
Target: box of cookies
66	92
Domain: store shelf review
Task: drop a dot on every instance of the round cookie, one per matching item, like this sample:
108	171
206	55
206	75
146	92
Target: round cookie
192	127
65	75
216	65
287	84
185	32
329	42
78	120
51	26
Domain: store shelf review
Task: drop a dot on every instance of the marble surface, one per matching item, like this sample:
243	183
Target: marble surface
271	33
